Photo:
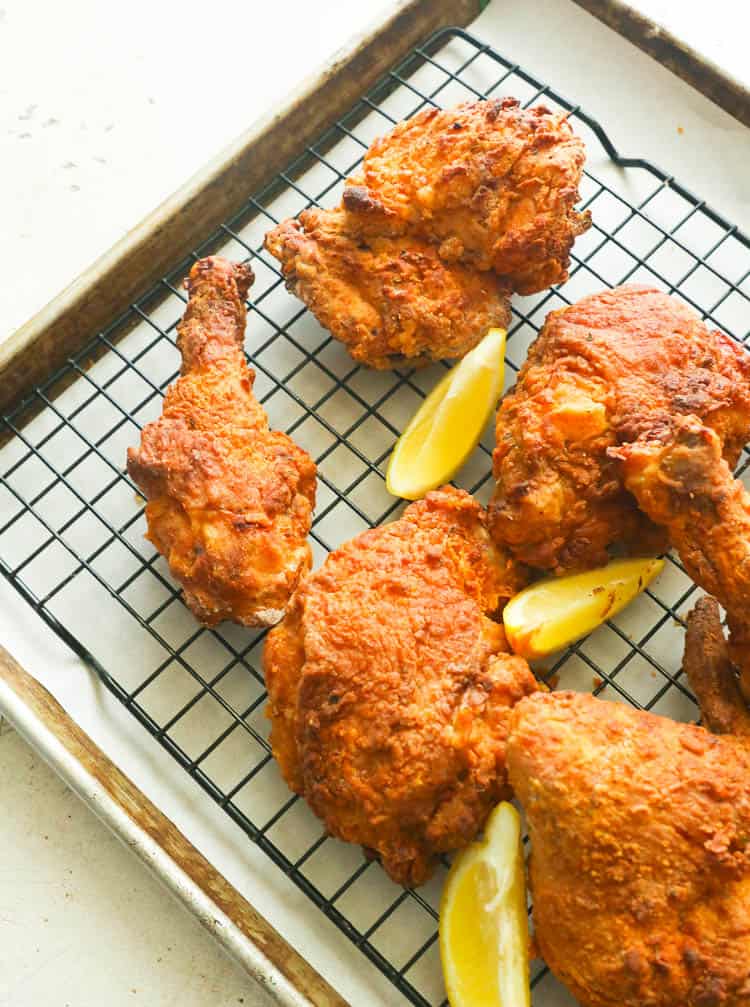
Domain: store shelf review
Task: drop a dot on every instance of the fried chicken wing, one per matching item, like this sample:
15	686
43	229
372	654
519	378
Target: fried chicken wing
600	373
709	670
494	185
640	862
229	501
389	300
681	479
389	685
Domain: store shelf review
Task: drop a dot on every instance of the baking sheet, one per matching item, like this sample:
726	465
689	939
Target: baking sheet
296	371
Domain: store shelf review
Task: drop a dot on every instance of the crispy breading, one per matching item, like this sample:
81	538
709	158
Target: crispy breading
389	685
708	667
640	858
229	501
494	185
389	300
600	372
679	477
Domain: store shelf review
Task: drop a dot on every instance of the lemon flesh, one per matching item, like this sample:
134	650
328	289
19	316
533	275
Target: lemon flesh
553	613
484	930
447	426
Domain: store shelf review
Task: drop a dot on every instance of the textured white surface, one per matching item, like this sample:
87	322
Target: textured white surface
103	943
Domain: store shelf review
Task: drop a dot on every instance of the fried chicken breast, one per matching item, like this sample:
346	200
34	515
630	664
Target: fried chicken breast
640	858
389	685
492	184
600	373
229	501
389	300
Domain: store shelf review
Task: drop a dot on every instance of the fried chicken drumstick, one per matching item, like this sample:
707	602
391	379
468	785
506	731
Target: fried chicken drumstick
640	863
600	373
391	301
492	184
229	501
389	686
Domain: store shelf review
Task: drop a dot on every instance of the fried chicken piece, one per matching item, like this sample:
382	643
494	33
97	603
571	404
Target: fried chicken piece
229	501
389	300
679	477
493	184
600	373
401	271
389	685
640	857
709	670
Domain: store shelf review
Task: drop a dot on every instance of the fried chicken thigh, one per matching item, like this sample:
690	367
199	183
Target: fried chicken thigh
389	685
681	479
492	184
403	269
229	501
640	862
389	300
600	373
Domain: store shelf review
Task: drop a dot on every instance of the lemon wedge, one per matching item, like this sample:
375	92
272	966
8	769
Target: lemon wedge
484	929
552	613
447	426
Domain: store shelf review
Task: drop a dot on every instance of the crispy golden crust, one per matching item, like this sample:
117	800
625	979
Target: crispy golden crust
389	685
708	666
678	476
600	372
493	184
229	501
640	863
389	300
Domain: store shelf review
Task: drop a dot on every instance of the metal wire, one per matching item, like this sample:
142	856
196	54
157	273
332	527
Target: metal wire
69	461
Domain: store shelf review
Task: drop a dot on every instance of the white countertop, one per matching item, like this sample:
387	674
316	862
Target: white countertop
85	89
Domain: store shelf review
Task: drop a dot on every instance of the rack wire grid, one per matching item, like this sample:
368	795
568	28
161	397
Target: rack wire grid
71	524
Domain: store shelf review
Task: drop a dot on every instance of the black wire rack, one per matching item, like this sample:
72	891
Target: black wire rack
71	526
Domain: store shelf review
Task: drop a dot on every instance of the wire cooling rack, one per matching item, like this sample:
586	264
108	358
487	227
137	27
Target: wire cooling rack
71	525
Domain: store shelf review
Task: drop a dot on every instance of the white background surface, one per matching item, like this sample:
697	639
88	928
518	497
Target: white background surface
80	921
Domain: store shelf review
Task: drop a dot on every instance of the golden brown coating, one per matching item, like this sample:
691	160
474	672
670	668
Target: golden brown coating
678	476
494	185
708	667
229	501
640	852
389	300
600	373
389	685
